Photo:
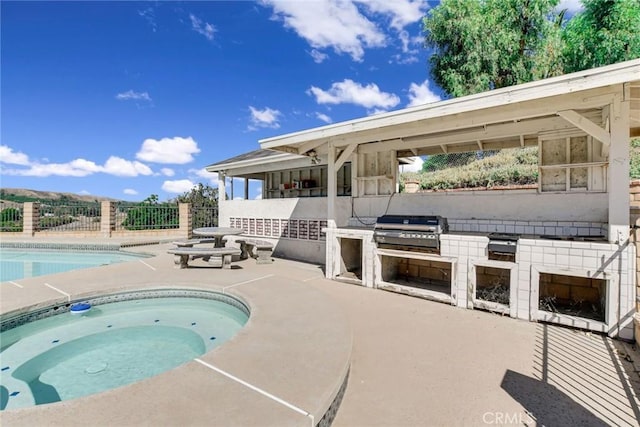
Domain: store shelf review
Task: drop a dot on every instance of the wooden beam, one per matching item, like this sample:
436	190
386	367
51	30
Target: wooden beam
586	125
345	155
444	148
311	145
521	140
498	131
480	145
506	113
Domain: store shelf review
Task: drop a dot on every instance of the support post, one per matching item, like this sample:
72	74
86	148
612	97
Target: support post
618	171
331	186
30	218
107	218
222	196
185	220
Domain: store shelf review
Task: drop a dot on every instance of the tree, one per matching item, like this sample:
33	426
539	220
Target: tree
151	215
200	195
204	205
605	32
481	45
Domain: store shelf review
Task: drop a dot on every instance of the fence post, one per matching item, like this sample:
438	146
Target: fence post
31	218
107	218
186	224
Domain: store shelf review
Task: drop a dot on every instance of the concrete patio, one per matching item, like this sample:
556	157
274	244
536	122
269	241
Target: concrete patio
412	362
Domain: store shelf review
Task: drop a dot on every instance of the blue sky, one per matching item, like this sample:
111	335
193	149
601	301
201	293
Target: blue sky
128	99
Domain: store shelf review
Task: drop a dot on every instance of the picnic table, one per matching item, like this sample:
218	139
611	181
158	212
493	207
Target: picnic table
217	233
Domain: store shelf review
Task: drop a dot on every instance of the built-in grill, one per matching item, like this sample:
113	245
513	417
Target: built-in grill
503	246
503	243
410	230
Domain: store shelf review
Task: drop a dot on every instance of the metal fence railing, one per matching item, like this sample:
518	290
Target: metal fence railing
204	216
69	217
82	217
11	215
147	217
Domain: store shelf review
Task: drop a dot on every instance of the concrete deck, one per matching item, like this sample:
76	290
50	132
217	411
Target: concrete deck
412	362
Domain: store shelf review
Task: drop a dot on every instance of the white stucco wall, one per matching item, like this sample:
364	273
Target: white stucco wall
304	208
521	205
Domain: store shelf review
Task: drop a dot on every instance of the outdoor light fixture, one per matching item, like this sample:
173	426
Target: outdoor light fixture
314	157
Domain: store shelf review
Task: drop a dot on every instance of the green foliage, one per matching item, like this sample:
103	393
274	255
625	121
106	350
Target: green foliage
605	32
442	161
54	221
505	167
10	214
200	195
486	44
479	45
152	215
204	205
634	159
10	220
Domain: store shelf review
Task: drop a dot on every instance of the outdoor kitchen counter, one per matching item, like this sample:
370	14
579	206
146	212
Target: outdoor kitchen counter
341	244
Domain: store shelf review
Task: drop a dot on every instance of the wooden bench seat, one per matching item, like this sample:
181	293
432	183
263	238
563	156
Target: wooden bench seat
216	257
263	250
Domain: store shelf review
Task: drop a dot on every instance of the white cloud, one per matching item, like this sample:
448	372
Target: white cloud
130	191
266	118
324	117
376	111
258	194
346	26
120	167
84	193
421	94
203	173
8	156
135	96
167	172
350	92
400	12
176	150
335	24
572	6
149	15
201	27
77	167
178	187
318	57
415	166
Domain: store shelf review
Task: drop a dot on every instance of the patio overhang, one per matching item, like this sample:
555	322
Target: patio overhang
507	117
603	103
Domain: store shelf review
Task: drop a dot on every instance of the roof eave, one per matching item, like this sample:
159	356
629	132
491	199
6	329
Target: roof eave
584	80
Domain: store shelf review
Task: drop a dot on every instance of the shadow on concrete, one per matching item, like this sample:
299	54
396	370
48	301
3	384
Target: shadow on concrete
578	379
545	404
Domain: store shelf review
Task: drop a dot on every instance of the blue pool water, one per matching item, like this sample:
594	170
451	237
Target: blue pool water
18	264
66	356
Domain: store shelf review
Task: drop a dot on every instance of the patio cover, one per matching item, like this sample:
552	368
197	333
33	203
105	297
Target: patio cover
502	118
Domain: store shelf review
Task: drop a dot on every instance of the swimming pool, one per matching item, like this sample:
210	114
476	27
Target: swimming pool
123	338
18	264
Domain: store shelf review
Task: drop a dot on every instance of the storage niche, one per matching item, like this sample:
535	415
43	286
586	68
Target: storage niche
306	182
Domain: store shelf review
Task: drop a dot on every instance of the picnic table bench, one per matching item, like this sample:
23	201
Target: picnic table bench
263	250
190	243
216	257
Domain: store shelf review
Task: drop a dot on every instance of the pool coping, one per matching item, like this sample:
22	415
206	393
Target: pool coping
307	369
